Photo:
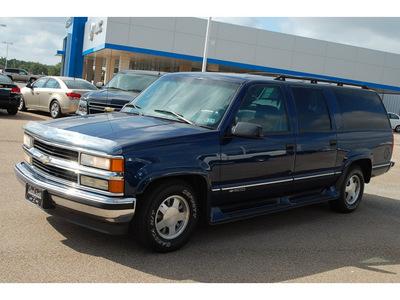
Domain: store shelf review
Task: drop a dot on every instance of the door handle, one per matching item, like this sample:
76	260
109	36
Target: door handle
333	143
290	146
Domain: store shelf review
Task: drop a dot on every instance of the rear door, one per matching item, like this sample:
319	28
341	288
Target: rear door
316	140
47	93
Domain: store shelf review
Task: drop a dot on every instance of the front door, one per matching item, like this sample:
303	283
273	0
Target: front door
258	169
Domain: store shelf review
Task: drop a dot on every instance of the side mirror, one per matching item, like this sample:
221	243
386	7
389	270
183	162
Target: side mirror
248	130
99	84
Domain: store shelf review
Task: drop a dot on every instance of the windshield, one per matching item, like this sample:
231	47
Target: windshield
197	101
79	84
131	82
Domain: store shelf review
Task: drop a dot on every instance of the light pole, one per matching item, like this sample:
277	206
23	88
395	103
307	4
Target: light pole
8	43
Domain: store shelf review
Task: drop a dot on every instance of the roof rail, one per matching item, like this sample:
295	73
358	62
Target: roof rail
316	80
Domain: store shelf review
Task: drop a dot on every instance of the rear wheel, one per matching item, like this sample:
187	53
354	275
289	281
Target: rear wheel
55	109
166	217
351	191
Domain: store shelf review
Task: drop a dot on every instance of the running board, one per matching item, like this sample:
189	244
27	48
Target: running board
227	213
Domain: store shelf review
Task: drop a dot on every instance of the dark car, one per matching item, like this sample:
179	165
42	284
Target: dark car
10	95
220	147
122	88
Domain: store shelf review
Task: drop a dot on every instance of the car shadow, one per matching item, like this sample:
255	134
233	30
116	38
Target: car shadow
278	247
27	116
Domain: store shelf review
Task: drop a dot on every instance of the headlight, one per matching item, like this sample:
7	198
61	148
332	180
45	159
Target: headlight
104	163
28	141
82	108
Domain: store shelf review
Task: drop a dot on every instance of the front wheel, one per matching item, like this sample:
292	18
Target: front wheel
167	217
12	111
22	106
397	129
351	191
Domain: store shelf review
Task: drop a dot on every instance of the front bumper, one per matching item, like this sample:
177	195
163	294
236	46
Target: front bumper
106	214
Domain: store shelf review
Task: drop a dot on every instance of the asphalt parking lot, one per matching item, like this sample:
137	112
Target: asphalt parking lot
310	244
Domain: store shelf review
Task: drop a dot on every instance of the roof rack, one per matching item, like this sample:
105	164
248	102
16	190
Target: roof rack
316	80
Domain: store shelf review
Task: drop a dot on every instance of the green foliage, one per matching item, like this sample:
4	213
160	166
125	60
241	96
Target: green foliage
32	67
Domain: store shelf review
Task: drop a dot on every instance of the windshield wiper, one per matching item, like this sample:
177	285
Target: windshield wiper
138	108
180	117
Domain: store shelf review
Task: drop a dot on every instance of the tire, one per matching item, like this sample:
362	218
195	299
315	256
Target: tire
397	129
12	111
351	191
22	106
55	109
166	217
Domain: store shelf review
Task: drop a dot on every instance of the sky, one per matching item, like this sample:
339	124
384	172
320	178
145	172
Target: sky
36	36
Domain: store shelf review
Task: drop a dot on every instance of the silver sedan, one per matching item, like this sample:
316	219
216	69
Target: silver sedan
54	94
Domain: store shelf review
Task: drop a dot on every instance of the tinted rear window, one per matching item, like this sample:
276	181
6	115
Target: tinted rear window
361	109
5	80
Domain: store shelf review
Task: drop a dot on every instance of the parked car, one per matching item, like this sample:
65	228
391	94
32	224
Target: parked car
20	75
394	121
122	88
222	147
9	95
57	95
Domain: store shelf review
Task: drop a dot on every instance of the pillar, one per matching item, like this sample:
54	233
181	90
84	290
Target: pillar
98	69
89	70
124	61
110	65
185	66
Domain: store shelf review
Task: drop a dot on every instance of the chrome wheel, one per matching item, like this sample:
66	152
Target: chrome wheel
172	217
352	189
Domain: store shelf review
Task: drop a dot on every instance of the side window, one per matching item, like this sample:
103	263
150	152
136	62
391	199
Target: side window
52	84
361	109
40	83
392	116
22	72
311	108
264	105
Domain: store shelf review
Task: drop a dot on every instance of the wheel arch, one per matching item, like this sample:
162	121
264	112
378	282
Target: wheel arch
364	163
200	183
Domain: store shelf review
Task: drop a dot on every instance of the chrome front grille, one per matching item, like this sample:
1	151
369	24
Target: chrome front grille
55	171
51	150
98	107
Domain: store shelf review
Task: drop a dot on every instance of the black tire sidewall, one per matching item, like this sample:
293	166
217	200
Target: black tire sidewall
146	220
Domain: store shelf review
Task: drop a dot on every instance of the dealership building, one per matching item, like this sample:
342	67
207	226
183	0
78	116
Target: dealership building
96	48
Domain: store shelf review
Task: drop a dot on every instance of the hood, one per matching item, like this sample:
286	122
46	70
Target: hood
111	96
111	132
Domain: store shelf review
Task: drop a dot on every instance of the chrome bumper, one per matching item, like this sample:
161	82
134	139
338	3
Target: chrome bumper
90	205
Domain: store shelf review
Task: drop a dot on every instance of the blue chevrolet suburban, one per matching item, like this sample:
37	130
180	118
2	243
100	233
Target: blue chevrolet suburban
222	147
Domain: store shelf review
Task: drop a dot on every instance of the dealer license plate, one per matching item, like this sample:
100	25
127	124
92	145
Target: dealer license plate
34	194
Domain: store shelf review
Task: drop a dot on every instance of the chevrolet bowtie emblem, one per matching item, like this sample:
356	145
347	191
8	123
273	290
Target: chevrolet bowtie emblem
109	109
45	159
